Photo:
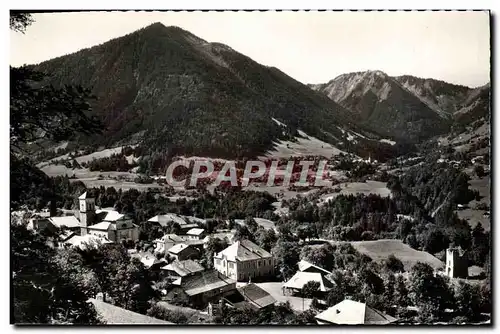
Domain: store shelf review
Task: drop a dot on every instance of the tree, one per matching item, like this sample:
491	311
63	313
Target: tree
435	241
335	295
479	171
372	281
125	279
19	21
390	288
468	298
310	289
286	254
266	239
401	292
251	224
38	111
394	264
243	233
40	296
430	290
213	246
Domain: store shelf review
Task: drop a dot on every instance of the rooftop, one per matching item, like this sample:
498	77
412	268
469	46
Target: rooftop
243	250
103	226
349	312
170	237
110	215
205	281
88	239
177	248
68	221
256	296
302	277
168	218
195	231
184	268
114	315
307	266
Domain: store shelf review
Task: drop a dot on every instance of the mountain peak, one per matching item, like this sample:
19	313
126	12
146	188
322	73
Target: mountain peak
376	73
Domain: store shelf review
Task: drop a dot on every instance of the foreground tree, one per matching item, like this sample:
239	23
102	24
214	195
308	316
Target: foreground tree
42	294
468	297
286	254
310	289
429	291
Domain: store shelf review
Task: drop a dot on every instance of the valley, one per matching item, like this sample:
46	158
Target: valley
104	225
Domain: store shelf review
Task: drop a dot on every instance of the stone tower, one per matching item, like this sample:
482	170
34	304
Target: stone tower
456	263
87	212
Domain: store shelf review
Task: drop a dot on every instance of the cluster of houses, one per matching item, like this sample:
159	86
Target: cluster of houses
242	262
88	225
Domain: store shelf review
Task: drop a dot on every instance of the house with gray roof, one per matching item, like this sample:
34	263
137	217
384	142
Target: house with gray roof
244	261
250	296
184	268
350	312
183	252
114	315
202	288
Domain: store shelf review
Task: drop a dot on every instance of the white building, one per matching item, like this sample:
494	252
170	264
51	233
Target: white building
105	223
196	234
243	261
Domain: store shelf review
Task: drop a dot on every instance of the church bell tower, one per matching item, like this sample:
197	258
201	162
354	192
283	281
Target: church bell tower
87	212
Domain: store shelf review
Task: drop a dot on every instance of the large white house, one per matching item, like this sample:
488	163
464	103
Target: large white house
243	261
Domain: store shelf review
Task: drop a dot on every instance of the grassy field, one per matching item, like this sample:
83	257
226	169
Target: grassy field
278	191
265	223
354	188
379	250
118	180
472	215
303	147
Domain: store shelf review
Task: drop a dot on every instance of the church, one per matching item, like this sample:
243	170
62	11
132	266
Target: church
105	223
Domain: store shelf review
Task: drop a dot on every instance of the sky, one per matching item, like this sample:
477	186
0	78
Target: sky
312	47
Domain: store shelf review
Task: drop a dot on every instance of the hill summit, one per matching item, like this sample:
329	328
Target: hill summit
171	90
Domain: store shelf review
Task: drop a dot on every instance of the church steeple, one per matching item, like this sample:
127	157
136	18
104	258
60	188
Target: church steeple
87	212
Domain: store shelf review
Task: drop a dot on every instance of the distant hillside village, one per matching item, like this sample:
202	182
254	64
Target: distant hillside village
209	274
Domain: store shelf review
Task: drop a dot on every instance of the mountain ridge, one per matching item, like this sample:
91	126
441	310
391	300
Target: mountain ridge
384	105
179	93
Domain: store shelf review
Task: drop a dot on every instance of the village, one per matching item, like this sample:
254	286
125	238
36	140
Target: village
241	276
159	176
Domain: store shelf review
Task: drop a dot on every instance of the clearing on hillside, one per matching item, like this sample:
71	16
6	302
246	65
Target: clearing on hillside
379	250
354	188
